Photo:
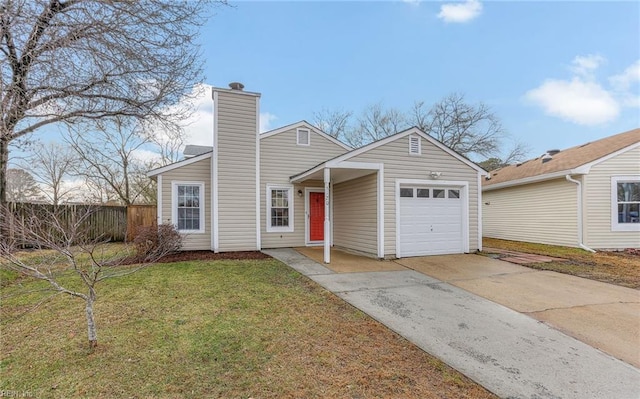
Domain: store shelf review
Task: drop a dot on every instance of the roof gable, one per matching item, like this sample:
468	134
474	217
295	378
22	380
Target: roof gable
305	125
175	165
574	160
386	140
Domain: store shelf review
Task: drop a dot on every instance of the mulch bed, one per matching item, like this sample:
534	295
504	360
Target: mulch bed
185	256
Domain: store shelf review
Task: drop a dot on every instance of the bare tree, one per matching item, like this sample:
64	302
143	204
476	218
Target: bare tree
67	250
333	122
106	156
22	187
469	129
376	123
50	164
64	61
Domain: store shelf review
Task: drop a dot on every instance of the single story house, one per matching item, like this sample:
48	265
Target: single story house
586	196
404	195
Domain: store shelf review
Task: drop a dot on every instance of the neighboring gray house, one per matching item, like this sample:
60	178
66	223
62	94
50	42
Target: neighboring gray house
586	196
405	195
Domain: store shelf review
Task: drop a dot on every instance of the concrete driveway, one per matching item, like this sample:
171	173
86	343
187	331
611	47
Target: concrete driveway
508	352
605	316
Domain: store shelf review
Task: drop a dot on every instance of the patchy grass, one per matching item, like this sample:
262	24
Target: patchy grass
619	268
233	329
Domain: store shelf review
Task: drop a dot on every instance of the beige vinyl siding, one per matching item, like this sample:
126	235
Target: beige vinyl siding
355	207
398	164
236	141
196	172
281	158
597	200
544	212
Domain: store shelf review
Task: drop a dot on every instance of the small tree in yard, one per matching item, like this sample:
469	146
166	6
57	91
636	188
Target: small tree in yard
69	254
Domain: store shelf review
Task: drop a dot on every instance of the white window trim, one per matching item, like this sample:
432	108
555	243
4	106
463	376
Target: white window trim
411	138
279	229
615	225
174	204
298	131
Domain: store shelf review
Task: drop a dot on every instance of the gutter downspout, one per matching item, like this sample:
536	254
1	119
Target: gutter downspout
579	185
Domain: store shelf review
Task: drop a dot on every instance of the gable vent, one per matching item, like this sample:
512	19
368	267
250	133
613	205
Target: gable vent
414	145
304	137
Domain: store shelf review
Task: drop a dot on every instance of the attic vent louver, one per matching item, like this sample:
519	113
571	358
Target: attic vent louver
546	158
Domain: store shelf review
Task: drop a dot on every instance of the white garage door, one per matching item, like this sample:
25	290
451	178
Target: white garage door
431	221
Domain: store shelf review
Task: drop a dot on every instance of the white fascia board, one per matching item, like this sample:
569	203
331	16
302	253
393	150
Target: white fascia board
232	91
587	167
179	164
353	165
305	125
538	178
300	178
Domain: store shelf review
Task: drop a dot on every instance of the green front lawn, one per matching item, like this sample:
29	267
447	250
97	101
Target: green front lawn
231	329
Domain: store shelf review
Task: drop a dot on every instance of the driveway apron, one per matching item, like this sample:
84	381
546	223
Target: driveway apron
509	353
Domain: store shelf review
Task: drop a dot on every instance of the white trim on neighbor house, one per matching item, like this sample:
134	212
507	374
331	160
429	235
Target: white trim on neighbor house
201	205
159	201
479	183
299	132
307	213
214	178
179	164
381	211
587	167
534	179
580	170
258	218
306	125
615	225
464	197
290	201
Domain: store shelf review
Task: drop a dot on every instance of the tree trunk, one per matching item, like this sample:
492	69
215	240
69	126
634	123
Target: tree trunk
91	323
4	163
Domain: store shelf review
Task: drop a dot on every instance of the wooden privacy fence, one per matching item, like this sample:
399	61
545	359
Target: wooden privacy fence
98	221
139	216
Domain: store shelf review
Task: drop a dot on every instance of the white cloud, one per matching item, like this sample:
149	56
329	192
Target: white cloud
586	66
578	101
144	156
460	12
583	99
630	76
265	121
412	2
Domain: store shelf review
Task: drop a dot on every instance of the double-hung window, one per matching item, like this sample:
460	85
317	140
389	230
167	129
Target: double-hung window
279	208
187	211
625	203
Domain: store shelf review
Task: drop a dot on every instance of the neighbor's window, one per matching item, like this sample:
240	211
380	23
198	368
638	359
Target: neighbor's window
188	207
279	208
625	202
304	137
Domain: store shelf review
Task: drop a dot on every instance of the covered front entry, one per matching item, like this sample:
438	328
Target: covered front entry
315	216
431	219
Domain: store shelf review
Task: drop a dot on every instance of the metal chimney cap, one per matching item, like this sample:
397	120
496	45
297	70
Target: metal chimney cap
236	86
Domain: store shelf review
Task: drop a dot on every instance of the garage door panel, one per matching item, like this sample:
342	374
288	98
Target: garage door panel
430	226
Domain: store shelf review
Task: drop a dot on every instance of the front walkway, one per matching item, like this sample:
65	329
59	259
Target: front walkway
511	354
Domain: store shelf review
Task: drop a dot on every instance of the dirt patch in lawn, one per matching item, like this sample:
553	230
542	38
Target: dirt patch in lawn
621	268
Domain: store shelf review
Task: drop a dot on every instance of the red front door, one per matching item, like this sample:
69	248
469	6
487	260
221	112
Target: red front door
316	216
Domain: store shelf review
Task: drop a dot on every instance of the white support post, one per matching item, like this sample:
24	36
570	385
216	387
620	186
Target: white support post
327	221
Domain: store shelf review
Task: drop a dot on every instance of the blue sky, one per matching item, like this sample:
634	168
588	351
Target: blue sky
558	74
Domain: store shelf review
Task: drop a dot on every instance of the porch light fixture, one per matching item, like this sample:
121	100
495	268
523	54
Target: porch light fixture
435	175
299	193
